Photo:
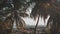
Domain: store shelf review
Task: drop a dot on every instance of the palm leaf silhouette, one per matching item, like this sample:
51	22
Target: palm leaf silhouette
14	14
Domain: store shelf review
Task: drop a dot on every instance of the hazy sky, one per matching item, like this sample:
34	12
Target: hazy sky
30	21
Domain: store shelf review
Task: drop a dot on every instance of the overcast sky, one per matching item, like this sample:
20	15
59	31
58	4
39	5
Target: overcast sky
30	21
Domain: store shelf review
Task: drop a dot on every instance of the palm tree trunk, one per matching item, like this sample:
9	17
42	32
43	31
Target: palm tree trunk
36	25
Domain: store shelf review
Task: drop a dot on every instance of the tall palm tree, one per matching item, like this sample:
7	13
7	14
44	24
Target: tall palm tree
42	8
16	15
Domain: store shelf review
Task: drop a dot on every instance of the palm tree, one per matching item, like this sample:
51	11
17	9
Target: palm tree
13	13
42	8
10	14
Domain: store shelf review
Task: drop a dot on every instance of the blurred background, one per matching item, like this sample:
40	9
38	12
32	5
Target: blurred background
29	16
